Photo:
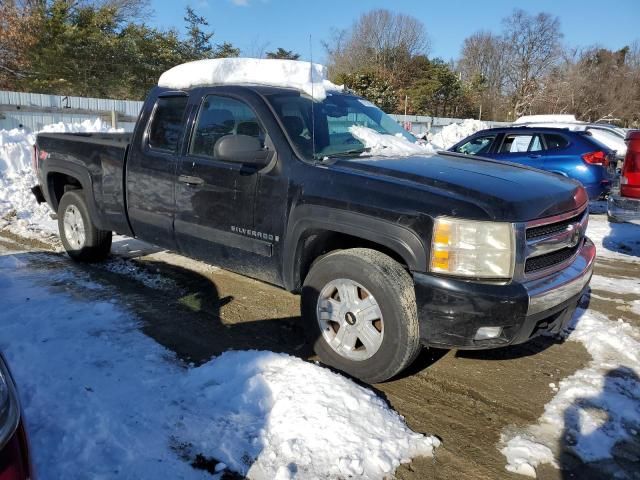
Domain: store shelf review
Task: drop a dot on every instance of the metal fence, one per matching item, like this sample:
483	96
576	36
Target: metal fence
420	124
34	110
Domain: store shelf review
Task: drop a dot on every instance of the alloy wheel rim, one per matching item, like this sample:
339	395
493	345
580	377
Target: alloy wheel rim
74	229
350	319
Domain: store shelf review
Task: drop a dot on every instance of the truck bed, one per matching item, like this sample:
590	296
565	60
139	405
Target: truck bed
98	160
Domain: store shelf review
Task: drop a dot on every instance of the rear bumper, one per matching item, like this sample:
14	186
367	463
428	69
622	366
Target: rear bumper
451	311
623	209
598	190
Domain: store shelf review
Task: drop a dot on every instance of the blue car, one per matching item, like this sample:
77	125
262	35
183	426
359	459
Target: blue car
573	154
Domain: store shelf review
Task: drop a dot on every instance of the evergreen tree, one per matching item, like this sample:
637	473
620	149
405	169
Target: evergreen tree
87	50
283	54
198	44
372	87
226	50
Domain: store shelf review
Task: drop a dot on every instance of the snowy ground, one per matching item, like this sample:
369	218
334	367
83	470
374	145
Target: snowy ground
596	411
132	409
85	371
103	400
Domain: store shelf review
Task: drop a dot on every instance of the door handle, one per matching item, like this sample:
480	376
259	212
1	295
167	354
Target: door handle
189	180
534	155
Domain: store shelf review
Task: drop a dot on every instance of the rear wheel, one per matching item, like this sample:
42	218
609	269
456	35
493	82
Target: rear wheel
360	312
80	237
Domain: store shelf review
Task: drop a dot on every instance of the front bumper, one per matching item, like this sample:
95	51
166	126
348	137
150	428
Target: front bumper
451	311
623	209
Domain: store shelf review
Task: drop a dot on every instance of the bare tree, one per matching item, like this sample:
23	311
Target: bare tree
126	10
482	68
532	48
256	48
379	40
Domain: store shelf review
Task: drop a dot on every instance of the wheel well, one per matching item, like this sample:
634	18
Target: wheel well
315	244
59	183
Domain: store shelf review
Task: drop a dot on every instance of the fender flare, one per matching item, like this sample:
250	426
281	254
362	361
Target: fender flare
80	174
398	238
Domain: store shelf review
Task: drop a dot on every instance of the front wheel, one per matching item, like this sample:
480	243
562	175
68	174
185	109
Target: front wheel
82	240
360	311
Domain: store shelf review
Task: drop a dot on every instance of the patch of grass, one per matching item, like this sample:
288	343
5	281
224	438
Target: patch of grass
192	302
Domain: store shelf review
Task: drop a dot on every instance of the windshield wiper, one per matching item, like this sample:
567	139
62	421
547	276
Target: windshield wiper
346	153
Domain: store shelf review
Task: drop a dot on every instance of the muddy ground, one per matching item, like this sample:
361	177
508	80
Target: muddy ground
465	398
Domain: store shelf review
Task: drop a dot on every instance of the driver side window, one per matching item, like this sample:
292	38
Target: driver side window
219	117
476	146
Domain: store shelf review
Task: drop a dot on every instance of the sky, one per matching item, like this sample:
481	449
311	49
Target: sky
264	25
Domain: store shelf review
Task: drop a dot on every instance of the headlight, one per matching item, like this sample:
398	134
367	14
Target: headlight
9	409
470	248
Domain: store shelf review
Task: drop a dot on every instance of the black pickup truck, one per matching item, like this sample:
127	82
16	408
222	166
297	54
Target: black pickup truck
389	253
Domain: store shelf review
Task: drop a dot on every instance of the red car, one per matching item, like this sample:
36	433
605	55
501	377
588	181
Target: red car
624	206
14	449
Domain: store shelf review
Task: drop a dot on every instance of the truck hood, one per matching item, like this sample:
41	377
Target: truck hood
505	191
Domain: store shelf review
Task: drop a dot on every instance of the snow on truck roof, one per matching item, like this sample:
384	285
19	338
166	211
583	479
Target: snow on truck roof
304	76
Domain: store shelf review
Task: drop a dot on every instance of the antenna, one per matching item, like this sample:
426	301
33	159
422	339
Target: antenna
313	115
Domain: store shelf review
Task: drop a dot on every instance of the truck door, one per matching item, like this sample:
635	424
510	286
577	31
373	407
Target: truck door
151	169
215	197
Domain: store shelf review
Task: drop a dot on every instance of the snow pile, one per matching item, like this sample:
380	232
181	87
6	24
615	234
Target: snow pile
15	151
595	408
305	76
524	455
19	210
284	411
102	398
388	145
452	134
85	126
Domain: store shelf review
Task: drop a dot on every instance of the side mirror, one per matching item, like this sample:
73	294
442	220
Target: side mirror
241	149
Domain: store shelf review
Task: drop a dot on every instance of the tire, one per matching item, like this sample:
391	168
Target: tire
367	278
82	240
611	219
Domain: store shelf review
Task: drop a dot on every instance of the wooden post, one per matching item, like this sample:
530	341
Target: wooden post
114	119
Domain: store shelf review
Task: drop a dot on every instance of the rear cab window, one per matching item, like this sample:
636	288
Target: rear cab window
166	125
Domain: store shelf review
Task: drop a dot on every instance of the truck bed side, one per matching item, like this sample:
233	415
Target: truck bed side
94	162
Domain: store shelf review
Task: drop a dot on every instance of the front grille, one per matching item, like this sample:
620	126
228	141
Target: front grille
550	259
550	229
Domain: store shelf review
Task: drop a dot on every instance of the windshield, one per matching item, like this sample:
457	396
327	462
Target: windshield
331	123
